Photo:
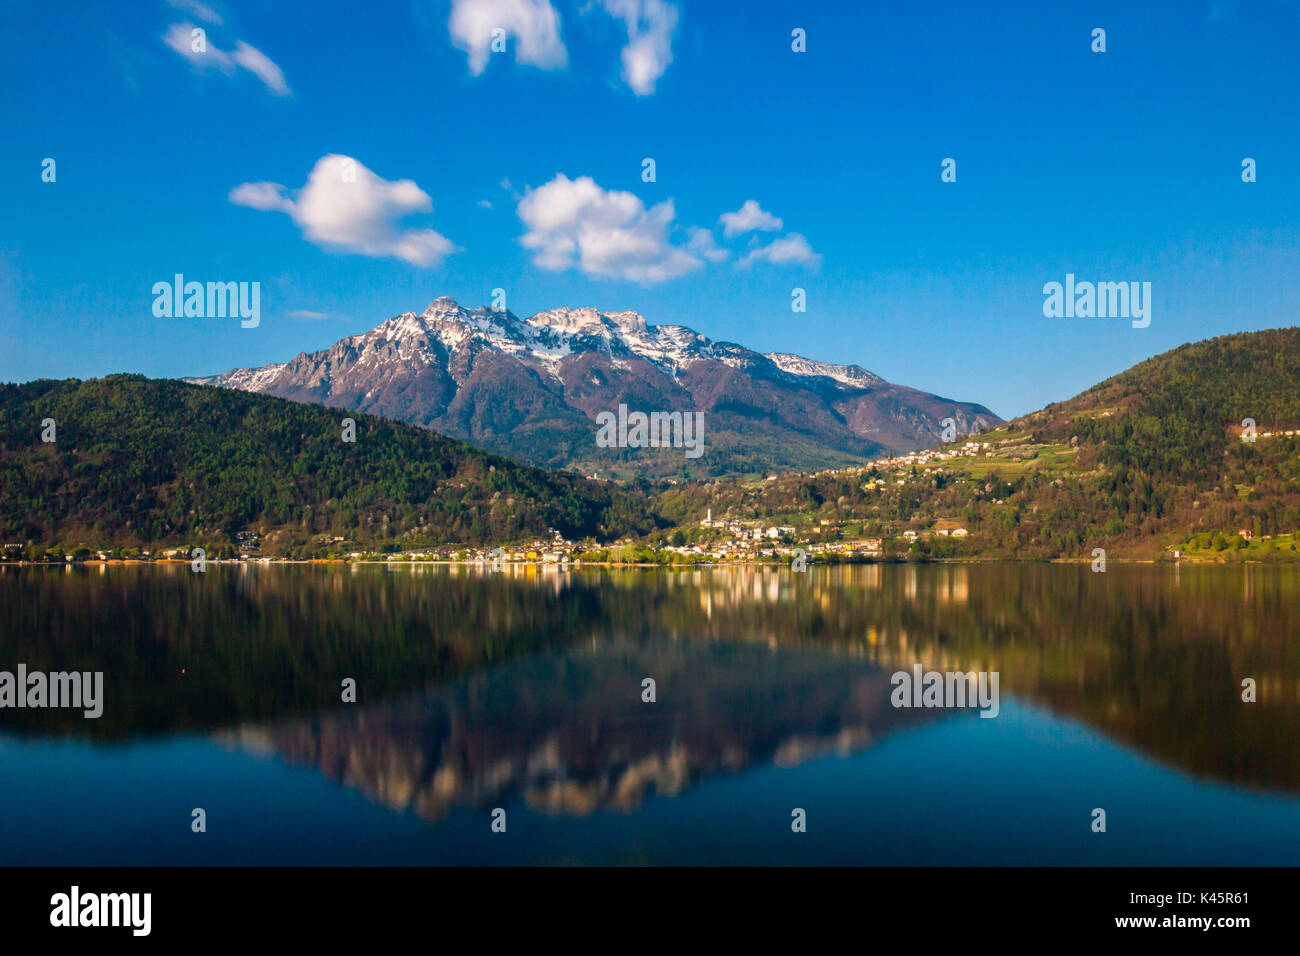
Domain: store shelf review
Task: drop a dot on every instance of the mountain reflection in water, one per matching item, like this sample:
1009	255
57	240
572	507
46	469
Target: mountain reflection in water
571	733
472	685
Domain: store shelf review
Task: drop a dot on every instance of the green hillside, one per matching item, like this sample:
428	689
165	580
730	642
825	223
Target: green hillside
1143	462
140	462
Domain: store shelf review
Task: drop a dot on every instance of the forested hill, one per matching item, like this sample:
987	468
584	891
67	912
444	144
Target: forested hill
139	462
1148	461
1171	417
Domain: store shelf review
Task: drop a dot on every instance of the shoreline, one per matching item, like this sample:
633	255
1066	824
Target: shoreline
683	566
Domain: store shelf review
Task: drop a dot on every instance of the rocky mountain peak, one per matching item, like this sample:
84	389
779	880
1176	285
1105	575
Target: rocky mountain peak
532	388
443	305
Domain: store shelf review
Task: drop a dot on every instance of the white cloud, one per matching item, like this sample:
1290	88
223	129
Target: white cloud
793	248
702	244
180	37
346	207
265	197
532	26
650	25
195	8
260	65
608	234
308	314
750	217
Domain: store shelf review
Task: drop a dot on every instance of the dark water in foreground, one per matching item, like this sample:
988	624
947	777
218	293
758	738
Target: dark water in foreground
523	691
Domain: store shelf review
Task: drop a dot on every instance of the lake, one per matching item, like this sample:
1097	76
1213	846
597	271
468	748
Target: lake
523	691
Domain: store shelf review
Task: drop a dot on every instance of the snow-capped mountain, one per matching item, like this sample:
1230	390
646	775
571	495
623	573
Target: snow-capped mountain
532	387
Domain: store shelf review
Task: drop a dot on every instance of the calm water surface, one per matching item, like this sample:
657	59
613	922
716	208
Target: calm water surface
522	690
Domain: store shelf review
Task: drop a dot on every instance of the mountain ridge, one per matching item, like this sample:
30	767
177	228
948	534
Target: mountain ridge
531	388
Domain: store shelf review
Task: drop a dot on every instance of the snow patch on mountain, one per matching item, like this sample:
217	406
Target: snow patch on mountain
853	375
543	341
243	379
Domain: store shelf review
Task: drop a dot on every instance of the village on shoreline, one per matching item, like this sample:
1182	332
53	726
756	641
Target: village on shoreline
563	554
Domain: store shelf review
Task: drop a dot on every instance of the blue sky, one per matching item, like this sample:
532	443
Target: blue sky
1123	165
